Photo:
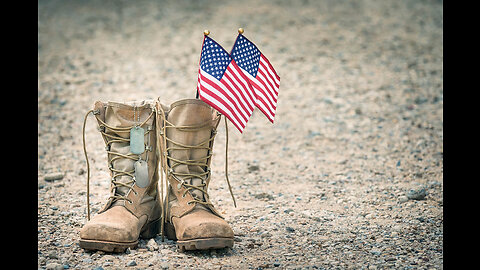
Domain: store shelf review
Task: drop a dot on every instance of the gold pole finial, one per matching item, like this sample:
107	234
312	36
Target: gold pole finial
206	32
240	30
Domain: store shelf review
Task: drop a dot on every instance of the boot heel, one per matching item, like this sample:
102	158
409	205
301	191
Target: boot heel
170	231
151	229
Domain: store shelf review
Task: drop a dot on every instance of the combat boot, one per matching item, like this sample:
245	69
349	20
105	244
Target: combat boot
133	209
186	131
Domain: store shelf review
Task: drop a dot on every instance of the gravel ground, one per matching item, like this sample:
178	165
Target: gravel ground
350	176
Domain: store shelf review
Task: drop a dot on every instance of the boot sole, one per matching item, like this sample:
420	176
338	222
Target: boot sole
107	246
203	244
150	231
197	244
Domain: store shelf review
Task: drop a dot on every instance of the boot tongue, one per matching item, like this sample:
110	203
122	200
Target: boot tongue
189	113
121	115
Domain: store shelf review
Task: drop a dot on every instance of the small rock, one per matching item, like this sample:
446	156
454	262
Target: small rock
164	265
53	176
54	266
80	171
52	255
290	229
152	245
417	194
132	263
253	168
264	196
403	199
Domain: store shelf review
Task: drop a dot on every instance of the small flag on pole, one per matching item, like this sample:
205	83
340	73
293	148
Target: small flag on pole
260	72
222	84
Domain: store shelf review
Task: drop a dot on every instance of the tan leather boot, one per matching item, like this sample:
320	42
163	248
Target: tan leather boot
133	209
187	132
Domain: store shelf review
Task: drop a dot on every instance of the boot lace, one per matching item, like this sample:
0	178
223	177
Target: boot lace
169	163
110	139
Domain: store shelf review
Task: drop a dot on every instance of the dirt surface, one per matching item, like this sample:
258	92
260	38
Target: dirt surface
350	175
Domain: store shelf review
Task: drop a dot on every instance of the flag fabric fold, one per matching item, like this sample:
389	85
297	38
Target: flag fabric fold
223	85
260	73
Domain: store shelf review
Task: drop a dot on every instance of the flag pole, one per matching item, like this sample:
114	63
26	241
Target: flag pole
206	32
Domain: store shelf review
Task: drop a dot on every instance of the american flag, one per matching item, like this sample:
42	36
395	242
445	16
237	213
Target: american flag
222	84
260	73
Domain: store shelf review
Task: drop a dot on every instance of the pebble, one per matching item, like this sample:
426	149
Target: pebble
164	265
152	245
53	176
132	263
54	266
417	194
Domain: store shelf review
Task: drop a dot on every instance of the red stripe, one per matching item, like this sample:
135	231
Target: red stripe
251	93
214	84
270	92
220	110
269	73
250	107
235	83
258	88
264	101
270	65
225	77
267	83
264	112
203	89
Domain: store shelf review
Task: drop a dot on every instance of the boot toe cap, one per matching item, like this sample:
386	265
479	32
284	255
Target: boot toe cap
113	226
201	226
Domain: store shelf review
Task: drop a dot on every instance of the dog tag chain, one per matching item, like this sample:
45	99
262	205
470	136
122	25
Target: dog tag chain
137	138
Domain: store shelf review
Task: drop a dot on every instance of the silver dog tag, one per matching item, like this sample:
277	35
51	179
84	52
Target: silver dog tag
137	140
141	173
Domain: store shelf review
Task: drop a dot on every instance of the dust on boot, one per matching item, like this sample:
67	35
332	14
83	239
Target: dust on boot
133	209
186	133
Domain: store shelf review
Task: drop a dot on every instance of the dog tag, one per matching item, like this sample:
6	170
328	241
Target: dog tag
141	173
137	140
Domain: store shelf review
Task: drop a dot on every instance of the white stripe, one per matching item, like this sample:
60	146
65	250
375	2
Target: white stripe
218	93
262	97
244	91
267	87
221	106
270	98
269	70
239	90
241	78
269	79
229	93
260	94
266	111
